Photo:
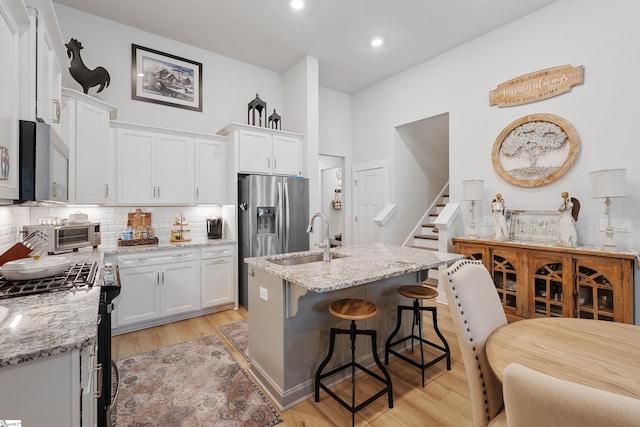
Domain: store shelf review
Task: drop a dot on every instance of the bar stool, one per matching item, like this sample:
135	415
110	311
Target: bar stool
418	293
353	309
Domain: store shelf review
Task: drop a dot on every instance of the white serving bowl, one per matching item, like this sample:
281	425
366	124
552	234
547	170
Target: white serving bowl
30	268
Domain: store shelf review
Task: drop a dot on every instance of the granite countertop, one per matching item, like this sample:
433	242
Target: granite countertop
57	322
41	325
164	246
357	265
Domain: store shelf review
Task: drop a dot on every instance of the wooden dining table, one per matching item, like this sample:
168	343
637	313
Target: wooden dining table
596	353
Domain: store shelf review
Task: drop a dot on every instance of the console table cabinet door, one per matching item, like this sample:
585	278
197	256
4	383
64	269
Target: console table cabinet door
509	279
551	286
601	290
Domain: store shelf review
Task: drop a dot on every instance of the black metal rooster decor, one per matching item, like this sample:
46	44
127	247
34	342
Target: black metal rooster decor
86	77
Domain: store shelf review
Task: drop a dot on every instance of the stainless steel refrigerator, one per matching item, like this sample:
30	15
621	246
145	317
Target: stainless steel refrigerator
273	213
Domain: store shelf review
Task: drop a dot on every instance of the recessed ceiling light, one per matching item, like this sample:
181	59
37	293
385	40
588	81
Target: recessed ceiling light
377	41
297	4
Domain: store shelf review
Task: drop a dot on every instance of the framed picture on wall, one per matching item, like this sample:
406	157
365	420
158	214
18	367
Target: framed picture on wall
165	79
535	150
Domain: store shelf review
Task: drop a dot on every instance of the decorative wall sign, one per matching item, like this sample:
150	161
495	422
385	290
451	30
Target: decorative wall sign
165	79
536	86
535	150
83	75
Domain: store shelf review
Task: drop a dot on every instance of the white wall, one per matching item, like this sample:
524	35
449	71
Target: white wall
601	36
228	85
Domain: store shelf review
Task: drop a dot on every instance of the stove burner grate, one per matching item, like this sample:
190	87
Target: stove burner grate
80	275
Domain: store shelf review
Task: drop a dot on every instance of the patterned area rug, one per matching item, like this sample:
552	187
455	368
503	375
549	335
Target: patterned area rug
196	383
238	334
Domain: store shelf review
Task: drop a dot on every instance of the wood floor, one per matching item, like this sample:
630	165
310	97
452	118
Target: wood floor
444	401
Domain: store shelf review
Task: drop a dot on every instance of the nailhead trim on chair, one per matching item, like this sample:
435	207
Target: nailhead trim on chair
455	294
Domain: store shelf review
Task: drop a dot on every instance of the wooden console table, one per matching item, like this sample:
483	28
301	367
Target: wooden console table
537	280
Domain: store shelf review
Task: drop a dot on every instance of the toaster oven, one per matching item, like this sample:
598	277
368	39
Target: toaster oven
68	237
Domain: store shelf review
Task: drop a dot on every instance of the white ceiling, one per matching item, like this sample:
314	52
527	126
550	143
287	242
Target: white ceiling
269	34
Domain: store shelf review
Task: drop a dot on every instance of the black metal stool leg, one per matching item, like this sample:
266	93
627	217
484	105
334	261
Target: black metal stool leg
417	316
352	334
324	363
434	314
393	334
374	345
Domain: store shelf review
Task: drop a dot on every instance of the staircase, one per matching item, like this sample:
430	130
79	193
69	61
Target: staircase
427	238
426	235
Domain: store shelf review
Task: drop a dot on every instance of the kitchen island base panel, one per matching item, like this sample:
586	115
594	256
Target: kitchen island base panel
286	350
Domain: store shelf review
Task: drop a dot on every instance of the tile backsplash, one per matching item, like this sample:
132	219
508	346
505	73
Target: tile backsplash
113	220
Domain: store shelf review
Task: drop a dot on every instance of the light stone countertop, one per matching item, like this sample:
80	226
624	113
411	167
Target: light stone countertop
356	266
42	325
53	323
199	243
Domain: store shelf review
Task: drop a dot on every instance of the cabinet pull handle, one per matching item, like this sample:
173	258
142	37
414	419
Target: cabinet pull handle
218	261
274	162
268	163
163	277
54	186
56	111
98	368
106	190
197	192
158	279
154	191
158	191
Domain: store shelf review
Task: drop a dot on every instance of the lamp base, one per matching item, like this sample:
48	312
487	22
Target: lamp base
609	244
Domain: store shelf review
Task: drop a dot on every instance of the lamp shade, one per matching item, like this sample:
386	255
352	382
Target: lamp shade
609	183
473	189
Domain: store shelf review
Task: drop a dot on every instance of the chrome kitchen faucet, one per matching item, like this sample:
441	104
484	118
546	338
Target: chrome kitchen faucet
327	247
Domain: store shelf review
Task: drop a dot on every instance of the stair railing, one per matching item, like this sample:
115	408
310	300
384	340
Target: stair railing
433	208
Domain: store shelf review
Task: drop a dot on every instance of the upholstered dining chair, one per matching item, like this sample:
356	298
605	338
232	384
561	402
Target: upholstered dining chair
536	399
476	312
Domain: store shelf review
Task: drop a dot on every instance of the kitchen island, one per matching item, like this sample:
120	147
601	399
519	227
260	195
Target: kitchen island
289	320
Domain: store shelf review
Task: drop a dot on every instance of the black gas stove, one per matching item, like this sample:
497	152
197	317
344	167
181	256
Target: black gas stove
81	275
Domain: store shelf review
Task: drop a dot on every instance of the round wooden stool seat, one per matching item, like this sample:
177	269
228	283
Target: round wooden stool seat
417	292
353	309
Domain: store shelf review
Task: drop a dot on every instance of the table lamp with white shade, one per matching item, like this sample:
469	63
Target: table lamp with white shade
606	184
473	190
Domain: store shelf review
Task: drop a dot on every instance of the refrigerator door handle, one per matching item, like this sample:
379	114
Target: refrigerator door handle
279	213
286	217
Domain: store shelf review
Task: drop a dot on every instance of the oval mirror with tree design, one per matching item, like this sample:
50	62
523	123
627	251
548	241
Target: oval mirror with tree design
535	150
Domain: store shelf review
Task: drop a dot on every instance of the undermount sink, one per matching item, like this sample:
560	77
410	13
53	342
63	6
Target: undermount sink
302	259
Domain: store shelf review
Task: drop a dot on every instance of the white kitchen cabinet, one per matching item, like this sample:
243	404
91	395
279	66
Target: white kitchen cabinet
217	275
266	151
53	391
41	65
13	17
154	168
86	130
212	171
157	284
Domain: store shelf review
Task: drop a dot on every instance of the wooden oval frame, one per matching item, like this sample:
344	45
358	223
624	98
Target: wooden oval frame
574	150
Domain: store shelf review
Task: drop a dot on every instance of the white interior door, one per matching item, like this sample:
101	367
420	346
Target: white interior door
369	194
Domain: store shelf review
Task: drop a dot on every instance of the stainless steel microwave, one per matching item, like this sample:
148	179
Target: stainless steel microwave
68	237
